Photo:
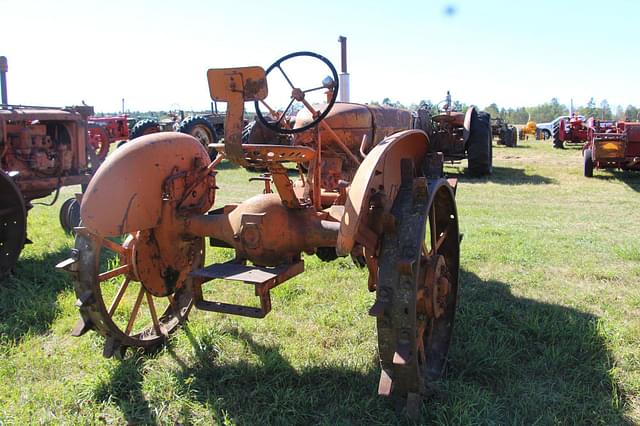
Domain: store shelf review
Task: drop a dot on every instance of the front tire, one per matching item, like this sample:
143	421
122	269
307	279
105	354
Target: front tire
588	163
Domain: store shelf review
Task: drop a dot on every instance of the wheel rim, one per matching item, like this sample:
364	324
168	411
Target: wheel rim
418	278
203	135
114	302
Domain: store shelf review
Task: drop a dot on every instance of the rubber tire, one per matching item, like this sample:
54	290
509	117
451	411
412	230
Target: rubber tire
546	134
191	124
144	127
13	233
479	146
557	143
587	163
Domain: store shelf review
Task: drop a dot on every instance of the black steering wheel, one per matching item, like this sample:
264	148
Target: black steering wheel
278	121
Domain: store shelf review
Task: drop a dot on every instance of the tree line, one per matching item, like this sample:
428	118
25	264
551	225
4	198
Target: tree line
541	113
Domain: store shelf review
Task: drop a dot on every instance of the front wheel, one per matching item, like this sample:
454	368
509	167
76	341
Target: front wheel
123	293
587	163
417	289
557	142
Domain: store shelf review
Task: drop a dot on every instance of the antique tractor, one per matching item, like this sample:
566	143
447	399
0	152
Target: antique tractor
205	128
506	133
42	150
103	131
611	145
459	135
366	187
573	131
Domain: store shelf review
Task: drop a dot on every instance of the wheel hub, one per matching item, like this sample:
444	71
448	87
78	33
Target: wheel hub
436	287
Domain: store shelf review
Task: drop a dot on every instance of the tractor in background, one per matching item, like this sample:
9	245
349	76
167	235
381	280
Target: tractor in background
457	135
369	184
506	133
611	145
573	131
42	149
207	128
103	131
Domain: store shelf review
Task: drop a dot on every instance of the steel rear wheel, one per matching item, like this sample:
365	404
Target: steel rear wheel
116	304
417	288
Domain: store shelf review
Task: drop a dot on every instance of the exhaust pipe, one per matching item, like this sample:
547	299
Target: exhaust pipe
4	67
344	75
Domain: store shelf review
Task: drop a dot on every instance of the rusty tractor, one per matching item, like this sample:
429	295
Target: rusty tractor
41	150
506	133
611	145
459	135
366	187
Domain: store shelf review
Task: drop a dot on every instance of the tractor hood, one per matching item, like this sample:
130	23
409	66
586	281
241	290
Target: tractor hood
353	122
125	194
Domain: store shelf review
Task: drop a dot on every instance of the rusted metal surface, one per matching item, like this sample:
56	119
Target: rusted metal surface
379	172
160	189
416	293
235	86
43	149
126	194
264	280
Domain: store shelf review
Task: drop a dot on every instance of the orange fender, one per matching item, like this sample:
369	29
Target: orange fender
380	171
125	194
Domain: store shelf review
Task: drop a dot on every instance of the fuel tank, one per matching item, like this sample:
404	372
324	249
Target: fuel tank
353	122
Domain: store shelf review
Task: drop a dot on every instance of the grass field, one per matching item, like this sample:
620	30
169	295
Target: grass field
547	328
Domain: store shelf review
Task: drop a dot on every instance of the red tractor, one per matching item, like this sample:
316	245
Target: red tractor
573	131
103	131
611	145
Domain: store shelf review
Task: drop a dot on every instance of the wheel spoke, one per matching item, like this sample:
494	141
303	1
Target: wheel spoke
313	90
284	113
119	294
286	77
134	312
154	315
113	273
114	247
441	239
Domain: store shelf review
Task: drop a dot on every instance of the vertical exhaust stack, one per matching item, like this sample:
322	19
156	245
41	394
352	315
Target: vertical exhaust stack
4	67
344	75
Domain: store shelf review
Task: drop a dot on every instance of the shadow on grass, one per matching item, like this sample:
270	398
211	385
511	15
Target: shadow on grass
513	361
125	390
521	361
507	176
630	177
29	296
270	391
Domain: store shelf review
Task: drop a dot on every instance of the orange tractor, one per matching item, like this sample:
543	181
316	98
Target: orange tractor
367	185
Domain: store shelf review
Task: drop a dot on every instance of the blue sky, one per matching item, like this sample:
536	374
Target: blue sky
155	53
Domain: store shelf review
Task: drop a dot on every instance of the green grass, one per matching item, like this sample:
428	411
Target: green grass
547	328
